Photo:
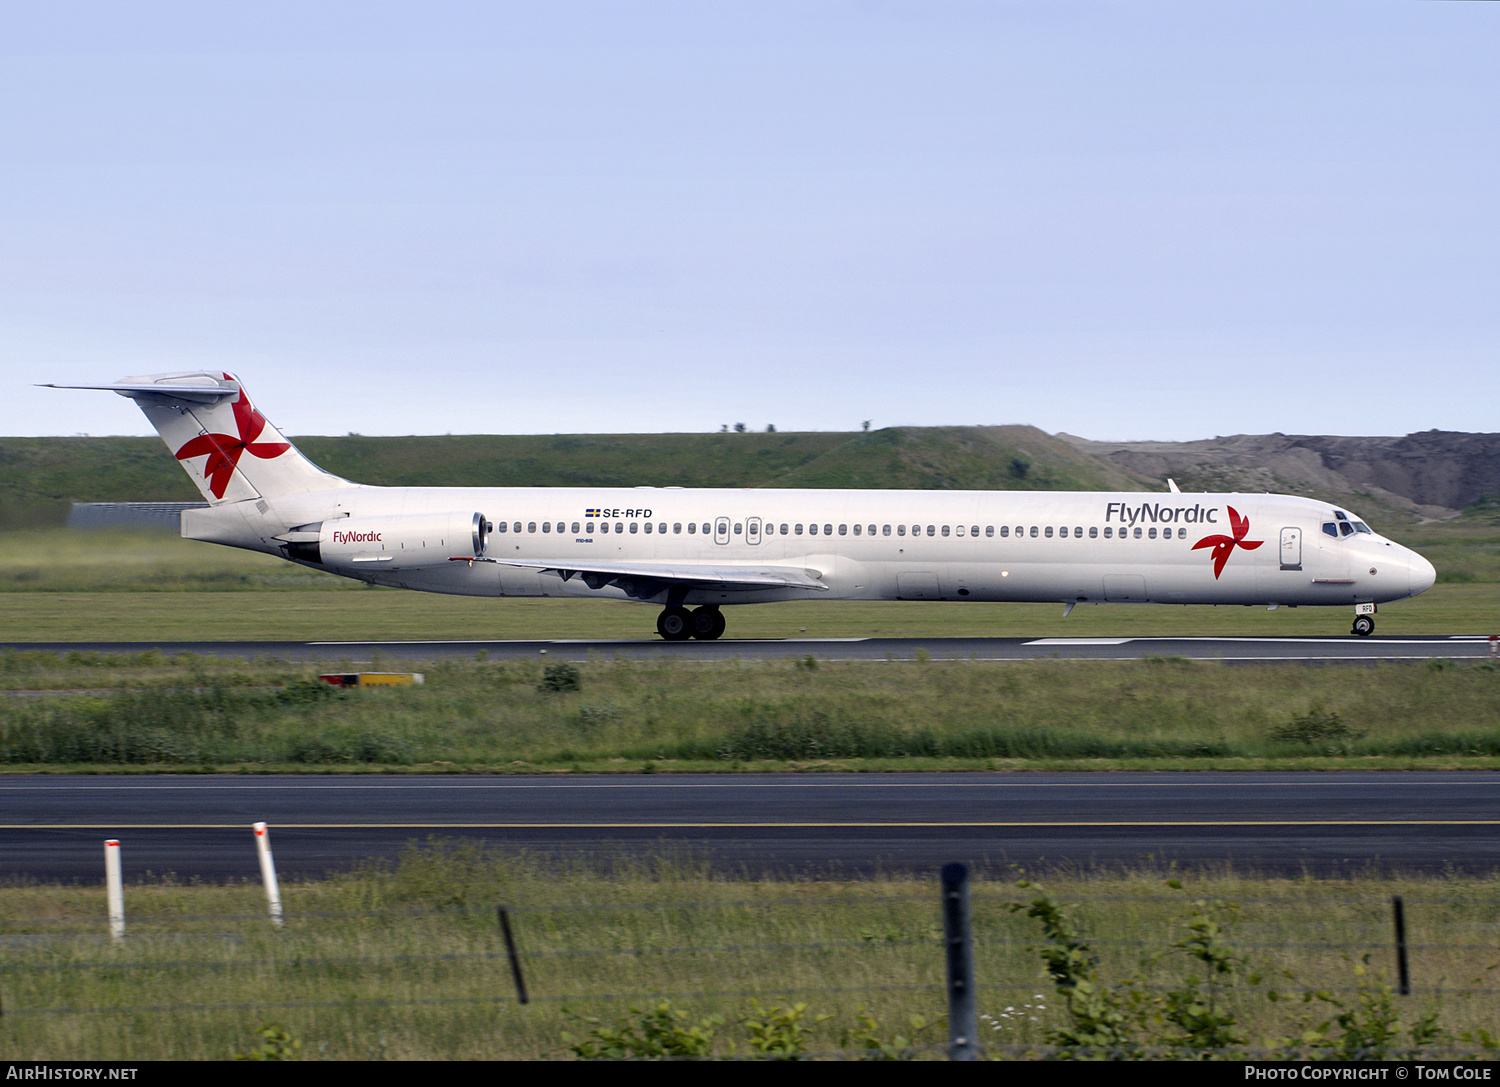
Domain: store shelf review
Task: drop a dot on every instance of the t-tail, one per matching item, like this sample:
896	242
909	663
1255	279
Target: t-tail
226	446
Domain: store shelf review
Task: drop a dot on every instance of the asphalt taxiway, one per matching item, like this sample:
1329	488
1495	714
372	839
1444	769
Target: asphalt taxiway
53	827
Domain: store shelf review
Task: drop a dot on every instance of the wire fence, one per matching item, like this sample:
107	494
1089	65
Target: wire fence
632	968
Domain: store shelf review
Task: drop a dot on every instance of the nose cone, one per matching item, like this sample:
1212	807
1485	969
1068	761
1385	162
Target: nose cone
1423	574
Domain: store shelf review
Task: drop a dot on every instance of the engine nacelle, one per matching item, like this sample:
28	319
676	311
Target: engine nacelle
403	542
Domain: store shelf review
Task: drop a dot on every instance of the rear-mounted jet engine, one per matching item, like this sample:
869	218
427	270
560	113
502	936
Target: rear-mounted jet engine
405	542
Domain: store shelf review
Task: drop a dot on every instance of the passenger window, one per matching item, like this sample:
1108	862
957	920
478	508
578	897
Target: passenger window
1137	534
677	528
516	527
843	530
502	526
707	528
959	531
634	528
530	526
575	528
900	530
648	528
1063	531
886	530
692	528
945	531
932	530
828	530
737	530
1004	531
872	530
1093	532
798	529
858	529
1151	533
975	531
1035	532
1047	532
812	530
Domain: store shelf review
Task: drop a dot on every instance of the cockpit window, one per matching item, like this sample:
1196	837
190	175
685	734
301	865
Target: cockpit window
1346	529
1360	526
1331	529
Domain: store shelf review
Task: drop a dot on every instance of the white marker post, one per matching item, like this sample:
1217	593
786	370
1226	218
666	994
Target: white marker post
114	889
268	871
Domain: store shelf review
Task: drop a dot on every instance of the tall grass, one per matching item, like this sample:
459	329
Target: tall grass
681	714
405	961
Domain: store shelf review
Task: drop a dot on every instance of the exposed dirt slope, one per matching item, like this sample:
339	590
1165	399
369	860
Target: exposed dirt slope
1433	474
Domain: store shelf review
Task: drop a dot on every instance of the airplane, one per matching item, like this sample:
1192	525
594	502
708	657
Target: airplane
694	552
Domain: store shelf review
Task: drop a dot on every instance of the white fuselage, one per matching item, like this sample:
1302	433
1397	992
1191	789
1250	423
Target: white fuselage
1069	547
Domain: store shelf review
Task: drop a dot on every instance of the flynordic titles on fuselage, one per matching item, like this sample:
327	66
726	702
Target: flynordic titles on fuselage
1156	514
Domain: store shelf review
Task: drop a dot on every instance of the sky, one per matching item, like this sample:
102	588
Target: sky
1134	220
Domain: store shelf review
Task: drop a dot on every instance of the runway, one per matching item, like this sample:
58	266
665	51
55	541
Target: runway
52	828
1325	650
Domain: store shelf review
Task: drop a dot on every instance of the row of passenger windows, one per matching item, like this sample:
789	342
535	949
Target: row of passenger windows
1033	531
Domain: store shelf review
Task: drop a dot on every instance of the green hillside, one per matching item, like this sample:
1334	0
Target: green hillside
41	477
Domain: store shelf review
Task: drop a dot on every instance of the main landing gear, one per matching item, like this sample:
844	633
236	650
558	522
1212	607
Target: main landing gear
677	624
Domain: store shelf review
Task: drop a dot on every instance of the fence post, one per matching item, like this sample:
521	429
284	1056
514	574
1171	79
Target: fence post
268	871
114	889
962	1021
515	959
1398	910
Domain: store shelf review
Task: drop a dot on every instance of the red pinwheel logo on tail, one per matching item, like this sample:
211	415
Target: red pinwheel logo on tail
1223	545
224	450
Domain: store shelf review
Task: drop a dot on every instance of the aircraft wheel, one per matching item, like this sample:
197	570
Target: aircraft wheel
708	623
1364	626
675	624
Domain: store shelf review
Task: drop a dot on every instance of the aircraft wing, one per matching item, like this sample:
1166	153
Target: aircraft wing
643	576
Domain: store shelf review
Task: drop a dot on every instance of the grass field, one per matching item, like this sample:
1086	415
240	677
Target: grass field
144	711
406	961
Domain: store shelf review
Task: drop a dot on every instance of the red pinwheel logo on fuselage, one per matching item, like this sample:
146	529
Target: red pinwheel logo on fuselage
224	450
1223	545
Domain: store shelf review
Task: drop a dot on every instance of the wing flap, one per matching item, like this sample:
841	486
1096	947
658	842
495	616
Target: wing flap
727	577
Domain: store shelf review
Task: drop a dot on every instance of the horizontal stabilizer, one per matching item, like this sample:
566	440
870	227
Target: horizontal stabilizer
199	394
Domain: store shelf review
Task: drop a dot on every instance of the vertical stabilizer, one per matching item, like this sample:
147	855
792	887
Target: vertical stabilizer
228	448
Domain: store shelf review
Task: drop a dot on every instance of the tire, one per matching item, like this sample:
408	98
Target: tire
674	624
708	623
1364	626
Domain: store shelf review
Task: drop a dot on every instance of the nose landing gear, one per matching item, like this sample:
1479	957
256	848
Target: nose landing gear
677	624
1364	620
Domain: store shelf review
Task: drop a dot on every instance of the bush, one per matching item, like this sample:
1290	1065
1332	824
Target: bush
560	677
